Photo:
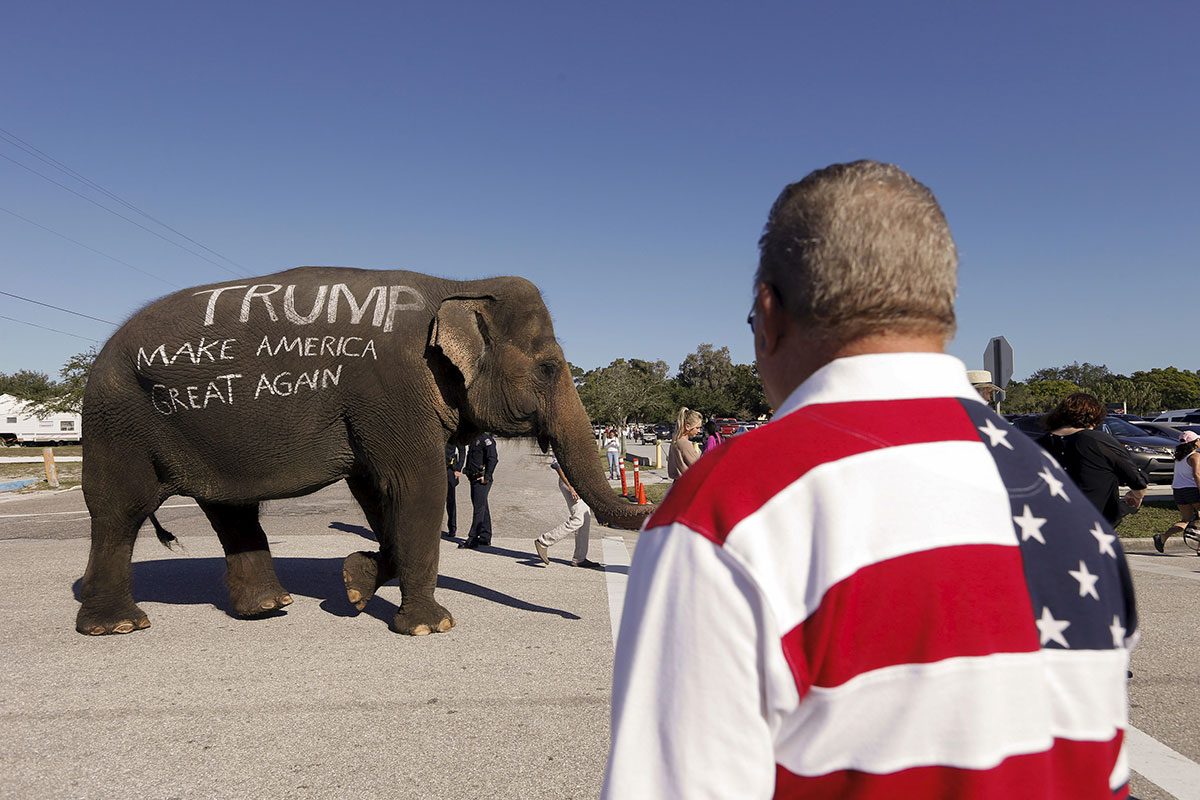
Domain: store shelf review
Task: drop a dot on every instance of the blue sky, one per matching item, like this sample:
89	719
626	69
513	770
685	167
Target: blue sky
623	156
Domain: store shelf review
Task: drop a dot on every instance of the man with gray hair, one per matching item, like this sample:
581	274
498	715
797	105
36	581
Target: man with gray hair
887	591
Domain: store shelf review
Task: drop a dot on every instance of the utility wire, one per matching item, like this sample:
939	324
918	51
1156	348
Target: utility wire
86	247
122	216
56	308
53	330
13	139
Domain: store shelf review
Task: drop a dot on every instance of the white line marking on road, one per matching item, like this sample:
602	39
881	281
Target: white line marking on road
82	511
1182	567
1162	766
615	555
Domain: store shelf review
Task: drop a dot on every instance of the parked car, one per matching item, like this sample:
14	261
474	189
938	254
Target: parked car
664	431
743	427
726	425
1154	454
649	436
1179	415
1169	429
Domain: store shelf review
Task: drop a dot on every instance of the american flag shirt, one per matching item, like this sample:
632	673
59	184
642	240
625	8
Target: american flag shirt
886	592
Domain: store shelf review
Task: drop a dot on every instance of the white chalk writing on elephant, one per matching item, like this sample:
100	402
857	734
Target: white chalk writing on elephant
387	300
319	345
283	385
169	399
192	354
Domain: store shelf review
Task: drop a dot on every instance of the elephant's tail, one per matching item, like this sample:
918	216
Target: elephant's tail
167	538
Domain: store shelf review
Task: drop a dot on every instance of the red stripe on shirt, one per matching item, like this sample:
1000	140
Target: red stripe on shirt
735	480
1068	769
951	602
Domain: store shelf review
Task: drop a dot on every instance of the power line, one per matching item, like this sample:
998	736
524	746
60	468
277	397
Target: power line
122	216
56	308
52	330
13	139
86	247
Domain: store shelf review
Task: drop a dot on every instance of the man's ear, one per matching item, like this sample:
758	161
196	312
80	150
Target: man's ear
460	331
770	318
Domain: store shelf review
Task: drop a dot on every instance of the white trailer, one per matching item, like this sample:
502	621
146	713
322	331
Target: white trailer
19	425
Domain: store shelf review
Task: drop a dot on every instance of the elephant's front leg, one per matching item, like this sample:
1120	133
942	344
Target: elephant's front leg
412	536
417	545
407	522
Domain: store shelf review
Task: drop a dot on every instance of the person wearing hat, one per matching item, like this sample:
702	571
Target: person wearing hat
1184	487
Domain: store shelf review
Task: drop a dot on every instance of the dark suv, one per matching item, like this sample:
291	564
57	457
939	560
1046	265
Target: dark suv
1154	455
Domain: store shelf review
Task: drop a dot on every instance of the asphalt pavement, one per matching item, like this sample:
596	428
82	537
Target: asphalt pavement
323	701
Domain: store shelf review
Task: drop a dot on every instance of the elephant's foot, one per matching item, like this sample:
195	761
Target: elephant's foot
253	588
254	602
363	576
422	619
100	621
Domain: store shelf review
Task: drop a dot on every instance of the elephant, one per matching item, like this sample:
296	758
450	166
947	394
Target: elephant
272	387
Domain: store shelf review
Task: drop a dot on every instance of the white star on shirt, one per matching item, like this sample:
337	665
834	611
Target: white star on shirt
1056	486
1031	526
1118	632
1087	581
1105	540
1051	629
996	435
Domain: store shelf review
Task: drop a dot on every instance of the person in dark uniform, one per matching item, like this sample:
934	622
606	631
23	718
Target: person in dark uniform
456	455
481	463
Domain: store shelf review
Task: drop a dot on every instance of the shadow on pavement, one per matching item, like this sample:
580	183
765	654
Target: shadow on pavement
345	527
194	581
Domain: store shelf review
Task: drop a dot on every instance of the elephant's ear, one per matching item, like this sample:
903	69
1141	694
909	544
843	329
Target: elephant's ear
460	332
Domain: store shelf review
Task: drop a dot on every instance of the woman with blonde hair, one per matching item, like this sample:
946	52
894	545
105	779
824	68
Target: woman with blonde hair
683	453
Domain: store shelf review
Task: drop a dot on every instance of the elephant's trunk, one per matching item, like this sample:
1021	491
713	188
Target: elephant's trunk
570	433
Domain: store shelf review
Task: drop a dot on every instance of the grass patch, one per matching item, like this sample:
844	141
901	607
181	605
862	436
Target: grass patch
1155	516
70	473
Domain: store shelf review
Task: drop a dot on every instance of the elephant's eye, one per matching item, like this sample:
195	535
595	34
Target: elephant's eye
546	370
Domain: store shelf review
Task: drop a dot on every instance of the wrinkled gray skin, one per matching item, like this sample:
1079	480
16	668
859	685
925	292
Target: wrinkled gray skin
249	390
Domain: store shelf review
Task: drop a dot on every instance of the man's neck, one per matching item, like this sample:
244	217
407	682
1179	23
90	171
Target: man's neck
804	355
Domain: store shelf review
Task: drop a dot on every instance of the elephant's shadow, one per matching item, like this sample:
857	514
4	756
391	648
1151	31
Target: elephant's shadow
201	581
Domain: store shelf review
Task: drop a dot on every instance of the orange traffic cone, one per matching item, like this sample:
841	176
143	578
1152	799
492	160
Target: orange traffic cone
641	494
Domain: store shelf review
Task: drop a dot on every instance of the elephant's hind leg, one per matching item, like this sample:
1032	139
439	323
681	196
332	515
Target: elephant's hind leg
254	589
106	592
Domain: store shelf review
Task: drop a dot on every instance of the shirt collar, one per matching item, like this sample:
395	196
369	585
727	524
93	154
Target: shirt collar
883	376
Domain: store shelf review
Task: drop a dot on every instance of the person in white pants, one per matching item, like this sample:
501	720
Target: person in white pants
579	523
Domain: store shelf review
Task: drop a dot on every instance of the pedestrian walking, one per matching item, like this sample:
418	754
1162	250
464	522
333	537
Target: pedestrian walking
1185	487
480	465
887	591
456	455
1097	462
579	522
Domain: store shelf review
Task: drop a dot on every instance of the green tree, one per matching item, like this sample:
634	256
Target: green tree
1086	376
68	395
749	400
1046	394
625	391
1176	388
1018	399
705	382
27	384
1139	397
